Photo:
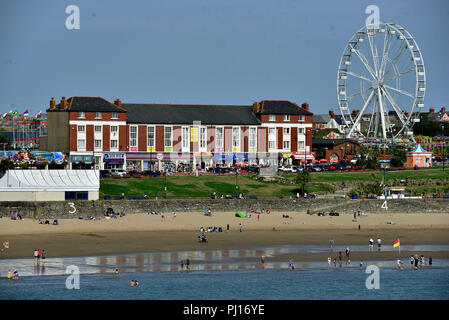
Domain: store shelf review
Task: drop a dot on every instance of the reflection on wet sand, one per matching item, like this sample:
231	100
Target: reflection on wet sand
238	259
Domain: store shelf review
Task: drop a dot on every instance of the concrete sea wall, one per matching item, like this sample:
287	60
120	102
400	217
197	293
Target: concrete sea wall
74	209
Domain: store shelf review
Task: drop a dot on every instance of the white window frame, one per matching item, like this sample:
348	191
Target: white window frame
116	144
133	140
286	117
79	146
286	144
168	129
272	139
303	142
114	115
301	130
81	128
98	115
252	140
202	138
271	117
301	118
151	137
219	138
81	115
100	144
185	136
98	131
236	139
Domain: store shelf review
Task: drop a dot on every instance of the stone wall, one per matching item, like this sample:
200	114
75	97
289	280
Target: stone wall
66	209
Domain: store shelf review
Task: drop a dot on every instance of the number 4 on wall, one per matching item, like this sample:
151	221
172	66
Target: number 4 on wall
384	205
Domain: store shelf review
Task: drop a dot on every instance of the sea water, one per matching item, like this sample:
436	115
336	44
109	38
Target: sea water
223	275
255	284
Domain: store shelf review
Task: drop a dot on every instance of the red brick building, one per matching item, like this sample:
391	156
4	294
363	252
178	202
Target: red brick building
142	136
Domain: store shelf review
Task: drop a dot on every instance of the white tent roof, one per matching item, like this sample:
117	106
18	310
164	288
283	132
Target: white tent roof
50	180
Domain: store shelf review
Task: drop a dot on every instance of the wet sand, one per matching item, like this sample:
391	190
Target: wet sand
149	233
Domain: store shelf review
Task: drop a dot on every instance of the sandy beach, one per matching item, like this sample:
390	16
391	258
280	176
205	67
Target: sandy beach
148	233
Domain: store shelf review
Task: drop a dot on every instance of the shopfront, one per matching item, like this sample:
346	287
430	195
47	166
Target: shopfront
82	160
114	160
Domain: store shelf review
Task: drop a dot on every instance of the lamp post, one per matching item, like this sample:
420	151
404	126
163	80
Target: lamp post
236	182
165	183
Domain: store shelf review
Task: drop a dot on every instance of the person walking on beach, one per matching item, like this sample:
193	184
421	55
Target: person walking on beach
347	252
35	255
187	263
116	271
227	228
332	244
349	263
262	259
182	264
43	256
361	264
371	242
430	261
379	244
240	224
339	258
412	261
329	262
290	265
335	262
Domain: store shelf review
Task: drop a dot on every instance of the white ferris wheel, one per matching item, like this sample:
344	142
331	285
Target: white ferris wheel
381	82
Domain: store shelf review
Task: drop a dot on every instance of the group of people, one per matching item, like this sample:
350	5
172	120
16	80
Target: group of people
111	214
185	263
38	255
417	261
55	221
340	258
379	244
13	275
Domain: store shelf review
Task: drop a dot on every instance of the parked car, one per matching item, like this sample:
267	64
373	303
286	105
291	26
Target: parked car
119	173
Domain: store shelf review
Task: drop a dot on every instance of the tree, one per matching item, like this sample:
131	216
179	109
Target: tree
5	143
5	165
302	178
399	156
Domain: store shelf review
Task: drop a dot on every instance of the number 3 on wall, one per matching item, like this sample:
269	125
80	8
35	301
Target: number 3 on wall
72	205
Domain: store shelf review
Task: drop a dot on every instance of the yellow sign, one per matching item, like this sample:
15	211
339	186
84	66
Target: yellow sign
194	134
151	149
287	155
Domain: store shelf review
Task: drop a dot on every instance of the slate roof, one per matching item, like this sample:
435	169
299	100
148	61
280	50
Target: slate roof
321	118
88	104
187	114
281	107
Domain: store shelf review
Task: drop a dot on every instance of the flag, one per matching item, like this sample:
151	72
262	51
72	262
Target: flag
396	244
25	114
39	114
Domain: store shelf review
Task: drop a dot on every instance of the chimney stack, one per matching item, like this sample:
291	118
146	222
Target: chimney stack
63	103
52	103
118	102
256	107
332	114
305	106
431	110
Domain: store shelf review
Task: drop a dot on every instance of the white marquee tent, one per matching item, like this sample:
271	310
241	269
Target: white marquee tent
50	185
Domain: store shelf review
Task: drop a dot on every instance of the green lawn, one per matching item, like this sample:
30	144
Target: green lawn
204	186
329	176
193	187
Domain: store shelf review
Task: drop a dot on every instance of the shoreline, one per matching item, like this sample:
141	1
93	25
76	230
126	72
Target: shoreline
138	233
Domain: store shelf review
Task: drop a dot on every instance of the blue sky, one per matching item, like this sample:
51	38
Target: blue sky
200	51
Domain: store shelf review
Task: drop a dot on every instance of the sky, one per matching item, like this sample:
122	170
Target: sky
200	51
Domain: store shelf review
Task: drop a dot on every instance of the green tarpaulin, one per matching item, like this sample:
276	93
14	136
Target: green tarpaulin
240	214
